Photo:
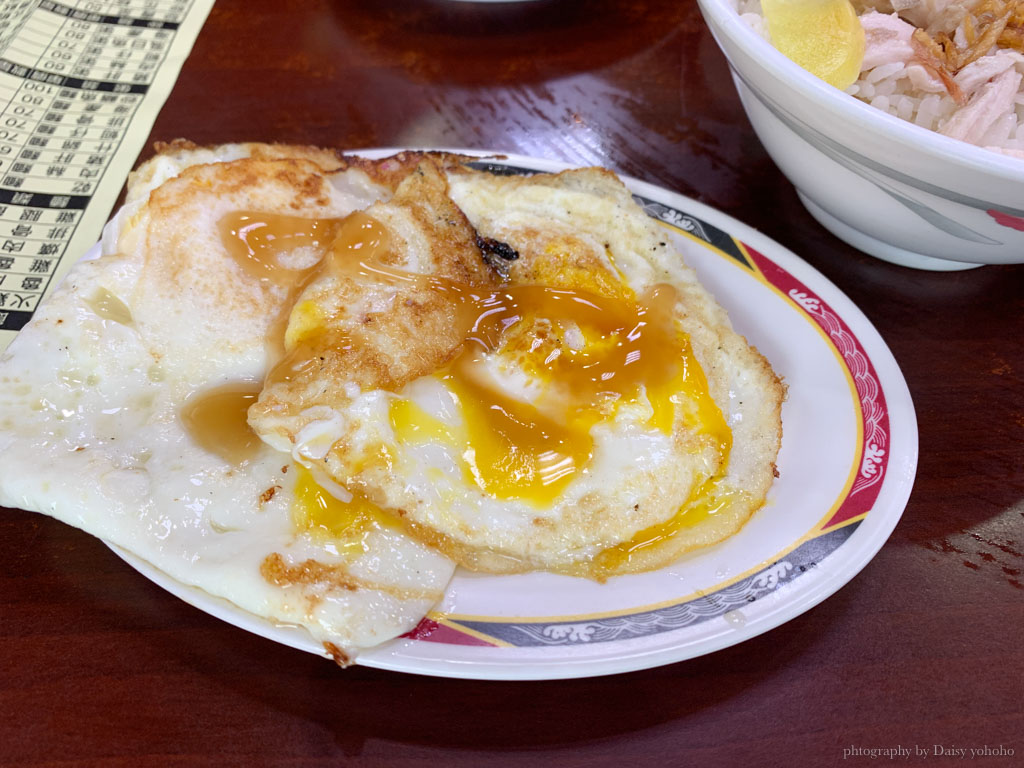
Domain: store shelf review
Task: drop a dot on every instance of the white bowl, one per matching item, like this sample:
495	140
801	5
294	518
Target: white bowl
887	187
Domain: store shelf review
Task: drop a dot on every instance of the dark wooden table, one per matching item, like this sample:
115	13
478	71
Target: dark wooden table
99	666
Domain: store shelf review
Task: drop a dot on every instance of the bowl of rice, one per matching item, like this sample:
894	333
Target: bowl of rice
919	162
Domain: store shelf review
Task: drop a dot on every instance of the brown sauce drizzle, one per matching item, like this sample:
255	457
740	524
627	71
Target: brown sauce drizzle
216	420
359	238
256	241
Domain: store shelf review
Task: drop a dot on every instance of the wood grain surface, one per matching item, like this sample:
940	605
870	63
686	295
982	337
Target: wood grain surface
100	667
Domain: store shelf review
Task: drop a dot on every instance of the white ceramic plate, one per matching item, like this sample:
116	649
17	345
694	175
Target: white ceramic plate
847	465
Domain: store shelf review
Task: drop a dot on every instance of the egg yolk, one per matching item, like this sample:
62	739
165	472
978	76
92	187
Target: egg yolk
345	523
825	37
623	349
709	498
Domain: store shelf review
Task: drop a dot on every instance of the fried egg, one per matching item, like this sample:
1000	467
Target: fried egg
123	402
312	384
584	407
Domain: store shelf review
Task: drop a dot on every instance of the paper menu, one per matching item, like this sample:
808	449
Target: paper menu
81	83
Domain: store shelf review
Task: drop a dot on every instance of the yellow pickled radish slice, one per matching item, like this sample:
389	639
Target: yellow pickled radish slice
822	36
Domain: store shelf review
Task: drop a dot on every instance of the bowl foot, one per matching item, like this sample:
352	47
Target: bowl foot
879	249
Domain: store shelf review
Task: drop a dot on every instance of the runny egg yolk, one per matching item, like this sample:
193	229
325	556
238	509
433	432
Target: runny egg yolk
616	349
708	498
345	523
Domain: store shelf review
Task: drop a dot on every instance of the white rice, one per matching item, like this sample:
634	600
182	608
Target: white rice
909	91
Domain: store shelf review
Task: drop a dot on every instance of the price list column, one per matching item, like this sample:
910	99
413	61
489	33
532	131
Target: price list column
72	76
